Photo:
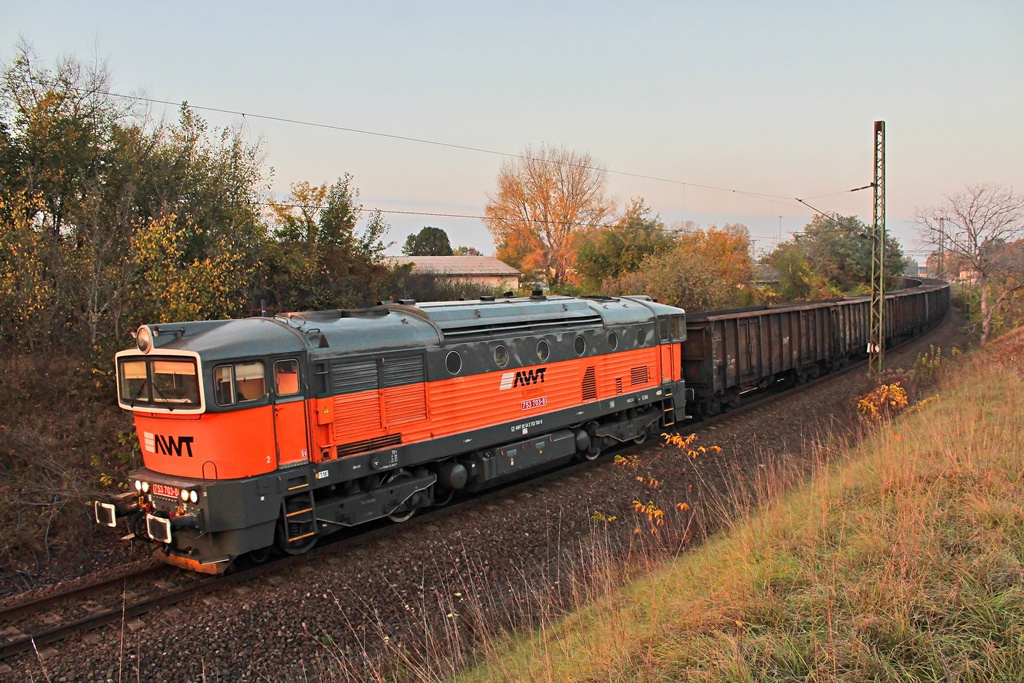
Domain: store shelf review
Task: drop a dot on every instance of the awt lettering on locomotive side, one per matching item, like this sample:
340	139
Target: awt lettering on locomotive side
168	445
522	378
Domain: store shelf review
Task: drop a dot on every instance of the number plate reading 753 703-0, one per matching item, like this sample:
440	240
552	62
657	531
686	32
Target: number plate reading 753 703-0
165	491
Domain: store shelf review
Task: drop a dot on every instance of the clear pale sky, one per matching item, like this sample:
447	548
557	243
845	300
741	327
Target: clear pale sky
776	98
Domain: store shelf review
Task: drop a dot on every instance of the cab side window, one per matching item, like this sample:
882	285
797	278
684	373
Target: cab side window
239	382
250	381
224	385
678	327
286	377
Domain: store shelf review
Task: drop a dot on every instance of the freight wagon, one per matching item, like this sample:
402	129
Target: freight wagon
728	353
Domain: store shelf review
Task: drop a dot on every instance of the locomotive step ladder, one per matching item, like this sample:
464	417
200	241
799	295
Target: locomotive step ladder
669	418
300	523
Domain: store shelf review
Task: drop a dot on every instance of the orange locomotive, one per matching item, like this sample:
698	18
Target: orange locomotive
267	433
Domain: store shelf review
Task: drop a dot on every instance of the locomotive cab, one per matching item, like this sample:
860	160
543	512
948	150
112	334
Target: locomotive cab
213	410
232	420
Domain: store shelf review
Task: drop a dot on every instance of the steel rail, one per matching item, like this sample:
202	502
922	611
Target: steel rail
18	609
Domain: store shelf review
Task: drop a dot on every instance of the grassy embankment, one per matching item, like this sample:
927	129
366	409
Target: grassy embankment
902	562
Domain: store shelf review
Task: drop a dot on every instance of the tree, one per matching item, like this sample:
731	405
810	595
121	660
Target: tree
832	257
982	226
542	203
84	174
171	288
466	251
798	280
320	260
705	271
429	241
610	251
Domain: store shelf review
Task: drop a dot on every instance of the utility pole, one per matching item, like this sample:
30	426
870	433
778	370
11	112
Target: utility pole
876	337
942	247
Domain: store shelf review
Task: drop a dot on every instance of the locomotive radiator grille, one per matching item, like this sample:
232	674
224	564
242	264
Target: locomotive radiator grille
590	384
639	376
369	444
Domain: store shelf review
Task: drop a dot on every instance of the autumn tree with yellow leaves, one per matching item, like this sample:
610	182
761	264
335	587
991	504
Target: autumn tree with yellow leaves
109	219
544	200
705	270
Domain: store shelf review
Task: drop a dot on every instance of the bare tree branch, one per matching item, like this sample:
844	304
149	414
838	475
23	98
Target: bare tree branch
979	232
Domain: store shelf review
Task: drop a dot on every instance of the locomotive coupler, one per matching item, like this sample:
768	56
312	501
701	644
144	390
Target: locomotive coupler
159	528
123	504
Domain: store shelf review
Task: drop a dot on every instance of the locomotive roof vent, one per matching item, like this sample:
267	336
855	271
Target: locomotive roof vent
538	295
486	297
509	294
407	302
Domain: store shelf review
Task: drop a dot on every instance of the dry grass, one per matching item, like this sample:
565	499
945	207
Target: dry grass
905	563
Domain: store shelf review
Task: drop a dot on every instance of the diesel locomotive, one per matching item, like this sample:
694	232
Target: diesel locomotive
269	432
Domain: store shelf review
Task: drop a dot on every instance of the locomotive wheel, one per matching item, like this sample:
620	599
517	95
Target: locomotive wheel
260	556
445	497
640	439
400	515
594	451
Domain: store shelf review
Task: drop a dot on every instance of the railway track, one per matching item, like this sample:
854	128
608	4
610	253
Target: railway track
36	623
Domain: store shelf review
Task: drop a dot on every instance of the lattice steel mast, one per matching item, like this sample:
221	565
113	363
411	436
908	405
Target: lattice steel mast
876	338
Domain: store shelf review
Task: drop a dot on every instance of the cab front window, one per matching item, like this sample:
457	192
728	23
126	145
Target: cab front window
134	381
159	382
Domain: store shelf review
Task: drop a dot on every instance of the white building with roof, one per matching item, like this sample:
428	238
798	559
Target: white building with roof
483	270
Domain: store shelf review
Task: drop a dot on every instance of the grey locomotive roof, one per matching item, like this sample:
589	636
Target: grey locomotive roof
462	319
219	339
358	331
632	309
401	326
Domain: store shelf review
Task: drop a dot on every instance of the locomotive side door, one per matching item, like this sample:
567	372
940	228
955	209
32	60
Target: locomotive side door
671	333
289	414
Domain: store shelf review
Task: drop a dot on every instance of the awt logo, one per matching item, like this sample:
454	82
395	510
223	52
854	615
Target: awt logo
522	378
168	445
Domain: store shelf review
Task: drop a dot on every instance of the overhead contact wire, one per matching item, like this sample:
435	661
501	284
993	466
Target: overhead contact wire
450	145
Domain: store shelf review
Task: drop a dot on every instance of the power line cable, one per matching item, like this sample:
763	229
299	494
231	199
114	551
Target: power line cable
450	145
433	214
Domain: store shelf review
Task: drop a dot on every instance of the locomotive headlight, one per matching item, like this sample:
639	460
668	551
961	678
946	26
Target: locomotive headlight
144	339
138	484
145	487
184	495
193	496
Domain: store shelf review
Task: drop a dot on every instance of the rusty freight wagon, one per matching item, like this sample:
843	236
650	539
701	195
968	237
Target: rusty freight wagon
727	353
